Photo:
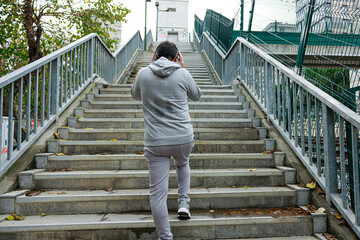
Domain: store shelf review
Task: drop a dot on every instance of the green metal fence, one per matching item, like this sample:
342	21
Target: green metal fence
219	27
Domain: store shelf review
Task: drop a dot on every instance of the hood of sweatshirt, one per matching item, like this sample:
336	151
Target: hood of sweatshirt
163	67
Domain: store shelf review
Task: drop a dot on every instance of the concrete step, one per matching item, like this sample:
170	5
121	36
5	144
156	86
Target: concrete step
134	113
204	91
138	134
192	105
139	179
128	86
128	97
202	225
137	200
138	162
131	147
139	122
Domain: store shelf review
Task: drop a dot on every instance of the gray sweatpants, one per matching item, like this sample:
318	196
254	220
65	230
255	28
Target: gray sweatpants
158	159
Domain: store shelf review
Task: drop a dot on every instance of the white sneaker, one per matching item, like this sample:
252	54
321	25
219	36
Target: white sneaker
184	212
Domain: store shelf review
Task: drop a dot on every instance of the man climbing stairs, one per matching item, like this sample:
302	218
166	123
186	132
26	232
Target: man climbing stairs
93	182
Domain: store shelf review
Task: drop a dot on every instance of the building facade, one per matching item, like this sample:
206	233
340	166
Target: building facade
280	27
330	16
116	34
172	20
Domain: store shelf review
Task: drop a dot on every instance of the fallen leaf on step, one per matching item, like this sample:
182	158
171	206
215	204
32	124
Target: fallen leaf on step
92	92
329	236
62	140
311	185
33	193
57	134
67	170
17	217
265	152
43	214
111	128
88	128
198	187
10	218
108	189
79	117
91	171
114	140
321	210
59	154
139	152
252	170
338	216
61	193
234	186
246	187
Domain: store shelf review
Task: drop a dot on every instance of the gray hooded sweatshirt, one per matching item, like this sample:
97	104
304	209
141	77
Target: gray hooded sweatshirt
164	88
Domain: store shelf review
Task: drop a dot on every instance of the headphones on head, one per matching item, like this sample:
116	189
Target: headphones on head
156	56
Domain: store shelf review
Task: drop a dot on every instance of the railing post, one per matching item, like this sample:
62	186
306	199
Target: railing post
54	86
90	63
270	98
242	62
355	159
329	152
115	69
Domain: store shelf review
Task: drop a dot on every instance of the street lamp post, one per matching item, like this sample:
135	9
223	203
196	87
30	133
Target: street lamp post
157	19
145	23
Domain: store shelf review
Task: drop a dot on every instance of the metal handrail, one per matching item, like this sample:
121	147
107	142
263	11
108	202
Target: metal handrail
312	122
42	90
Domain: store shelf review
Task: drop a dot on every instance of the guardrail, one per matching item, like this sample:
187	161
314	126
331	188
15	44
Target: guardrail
34	96
314	124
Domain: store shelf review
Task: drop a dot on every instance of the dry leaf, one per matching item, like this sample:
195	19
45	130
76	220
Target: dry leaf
57	134
246	187
338	216
33	193
17	217
91	171
139	152
197	187
92	92
114	140
10	218
108	189
61	193
67	170
252	170
79	117
329	236
311	185
321	210
43	214
88	128
59	154
234	186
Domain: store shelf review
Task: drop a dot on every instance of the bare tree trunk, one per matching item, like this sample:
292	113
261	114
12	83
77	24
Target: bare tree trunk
33	31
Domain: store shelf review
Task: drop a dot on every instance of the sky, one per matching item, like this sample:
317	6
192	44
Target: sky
266	11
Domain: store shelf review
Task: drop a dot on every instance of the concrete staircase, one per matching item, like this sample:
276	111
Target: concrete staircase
93	183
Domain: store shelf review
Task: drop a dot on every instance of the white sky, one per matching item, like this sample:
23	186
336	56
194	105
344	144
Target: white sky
266	11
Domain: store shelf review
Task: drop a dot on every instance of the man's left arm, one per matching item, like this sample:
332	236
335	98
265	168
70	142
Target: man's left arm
135	88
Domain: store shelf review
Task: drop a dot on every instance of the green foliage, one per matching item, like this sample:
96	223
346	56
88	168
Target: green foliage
330	80
59	21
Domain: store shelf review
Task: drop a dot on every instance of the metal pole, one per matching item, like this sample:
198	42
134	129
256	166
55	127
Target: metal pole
250	20
242	15
157	19
145	25
304	37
